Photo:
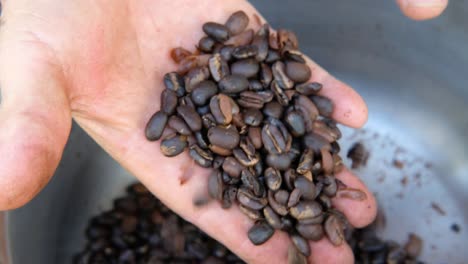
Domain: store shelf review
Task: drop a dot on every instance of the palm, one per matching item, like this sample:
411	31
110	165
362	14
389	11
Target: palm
108	59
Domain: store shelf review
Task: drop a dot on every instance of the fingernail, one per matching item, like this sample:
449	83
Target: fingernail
424	3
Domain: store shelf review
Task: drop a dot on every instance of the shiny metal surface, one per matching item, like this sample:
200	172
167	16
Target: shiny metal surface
414	78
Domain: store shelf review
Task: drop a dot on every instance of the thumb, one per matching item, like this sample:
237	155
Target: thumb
34	116
422	9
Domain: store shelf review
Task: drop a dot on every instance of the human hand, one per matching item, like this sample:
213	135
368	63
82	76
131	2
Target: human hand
101	62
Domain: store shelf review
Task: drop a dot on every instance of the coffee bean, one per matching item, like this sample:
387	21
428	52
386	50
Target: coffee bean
325	201
249	200
224	137
272	218
169	101
296	123
218	162
265	75
258	168
206	44
297	72
273	179
246	145
273	109
414	246
294	197
249	99
202	157
305	209
190	116
287	39
226	52
253	117
187	101
232	167
323	129
222	107
260	233
313	220
244	158
156	124
279	93
178	54
324	105
282	197
245	67
308	88
208	121
308	110
218	67
252	214
301	244
275	137
307	187
250	182
327	161
216	31
279	161
316	142
276	206
229	197
173	146
281	78
358	155
294	55
255	136
237	22
330	187
272	56
220	150
334	230
196	76
216	185
246	51
312	232
242	39
295	257
179	125
306	162
233	84
255	85
174	82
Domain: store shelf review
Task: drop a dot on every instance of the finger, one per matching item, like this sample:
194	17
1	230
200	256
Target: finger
358	212
33	117
422	9
323	252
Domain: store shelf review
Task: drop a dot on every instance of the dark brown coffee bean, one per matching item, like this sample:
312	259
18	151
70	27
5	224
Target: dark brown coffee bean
174	82
301	244
260	40
281	78
218	162
275	137
297	72
179	125
246	145
258	168
245	67
196	76
294	55
307	109
232	167
253	117
249	200
330	187
233	84
208	121
272	218
216	185
173	146
279	93
325	201
275	205
324	105
279	161
307	187
179	53
222	107
287	39
216	31
206	44
282	197
358	155
218	67
249	99
265	75
295	257
327	161
155	127
312	232
242	39
255	85
244	158
237	22
294	197
305	209
252	214
260	233
414	246
289	178
187	101
169	101
331	134
229	197
308	88
334	230
316	142
250	182
246	51
202	157
313	220
296	123
220	150
273	179
272	56
226	52
238	121
273	109
255	136
190	116
306	162
223	137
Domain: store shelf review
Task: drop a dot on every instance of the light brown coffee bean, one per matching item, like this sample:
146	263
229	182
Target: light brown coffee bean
297	72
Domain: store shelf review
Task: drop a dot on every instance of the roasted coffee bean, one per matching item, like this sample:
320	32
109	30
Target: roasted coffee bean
327	161
249	99
226	52
218	67
295	257
273	109
224	137
276	138
309	88
246	67
253	117
216	31
230	180
255	136
297	72
307	187
216	185
255	85
168	133
222	107
190	116
202	141
260	233
247	146
272	56
155	127
196	76
203	92
173	146
414	246
229	197
208	121
174	82
178	54
324	130
325	201
307	109
312	232
242	39
281	78
296	123
220	150
294	197
275	205
232	167
244	158
279	161
282	197
313	220
252	214
218	162
265	75
206	44
338	164
324	105
202	157
248	199
273	179
272	218
233	84
287	39
237	22
330	187
169	101
260	40
179	125
258	168
279	93
187	101
305	209
250	182
289	178
316	142
246	51
294	55
334	230
306	162
301	244
238	122
358	155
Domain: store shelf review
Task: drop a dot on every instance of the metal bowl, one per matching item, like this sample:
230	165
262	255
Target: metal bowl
413	77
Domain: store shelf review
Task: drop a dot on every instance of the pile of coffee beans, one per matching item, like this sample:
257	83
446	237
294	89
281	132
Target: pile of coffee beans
140	229
242	105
